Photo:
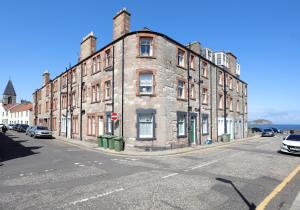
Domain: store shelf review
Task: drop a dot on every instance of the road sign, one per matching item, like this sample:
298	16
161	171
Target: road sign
114	116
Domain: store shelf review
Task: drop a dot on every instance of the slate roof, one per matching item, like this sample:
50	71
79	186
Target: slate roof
9	90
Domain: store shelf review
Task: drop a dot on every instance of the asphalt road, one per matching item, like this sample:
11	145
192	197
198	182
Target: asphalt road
49	174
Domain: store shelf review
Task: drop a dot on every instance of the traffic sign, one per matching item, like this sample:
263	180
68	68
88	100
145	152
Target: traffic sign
114	116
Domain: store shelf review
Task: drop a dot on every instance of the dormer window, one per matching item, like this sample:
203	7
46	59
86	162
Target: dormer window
146	46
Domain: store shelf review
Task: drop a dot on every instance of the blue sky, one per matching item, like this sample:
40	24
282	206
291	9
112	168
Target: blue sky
263	34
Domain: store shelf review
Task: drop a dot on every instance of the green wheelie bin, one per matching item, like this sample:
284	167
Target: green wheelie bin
111	142
100	141
105	141
119	144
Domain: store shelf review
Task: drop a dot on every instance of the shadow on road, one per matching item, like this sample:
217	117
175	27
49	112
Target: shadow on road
11	148
251	206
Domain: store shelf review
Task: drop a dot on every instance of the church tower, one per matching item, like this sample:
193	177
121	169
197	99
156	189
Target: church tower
9	94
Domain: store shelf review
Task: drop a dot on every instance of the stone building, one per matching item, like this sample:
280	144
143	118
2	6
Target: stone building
165	94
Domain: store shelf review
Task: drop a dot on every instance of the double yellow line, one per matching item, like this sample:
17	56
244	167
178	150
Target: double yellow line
279	187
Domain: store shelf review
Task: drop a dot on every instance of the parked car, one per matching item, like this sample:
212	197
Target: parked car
41	132
255	129
15	127
1	125
10	126
291	144
267	133
276	130
28	130
23	128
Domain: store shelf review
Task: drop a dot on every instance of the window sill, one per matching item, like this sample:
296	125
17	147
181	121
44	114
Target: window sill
220	109
183	136
204	103
108	68
93	73
107	99
145	139
194	99
205	134
91	135
192	68
181	99
145	56
95	102
206	77
182	67
146	94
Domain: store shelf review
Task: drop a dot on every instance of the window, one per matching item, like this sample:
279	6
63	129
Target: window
63	124
108	123
74	99
192	62
181	124
220	101
47	107
98	63
204	96
107	58
146	124
230	83
193	91
204	69
219	59
94	68
245	90
84	94
74	76
237	106
64	80
181	89
55	86
237	86
180	57
91	125
95	93
246	107
108	89
54	123
146	83
84	70
146	47
230	104
54	104
40	109
220	78
75	124
205	124
64	101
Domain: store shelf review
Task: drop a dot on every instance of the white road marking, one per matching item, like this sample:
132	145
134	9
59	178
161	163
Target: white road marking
202	165
81	165
100	163
174	174
115	159
95	161
46	170
96	196
21	174
76	163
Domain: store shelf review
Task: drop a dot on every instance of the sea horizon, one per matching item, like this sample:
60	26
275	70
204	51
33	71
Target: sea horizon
279	126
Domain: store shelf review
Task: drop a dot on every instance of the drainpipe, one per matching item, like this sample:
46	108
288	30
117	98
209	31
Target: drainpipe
199	95
225	103
188	96
71	105
122	87
210	112
67	105
59	127
217	105
81	87
113	90
51	104
243	98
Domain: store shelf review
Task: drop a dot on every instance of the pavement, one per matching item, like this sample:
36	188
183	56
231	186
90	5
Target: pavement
94	146
50	174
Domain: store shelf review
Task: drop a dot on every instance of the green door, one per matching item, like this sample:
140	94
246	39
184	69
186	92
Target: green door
192	130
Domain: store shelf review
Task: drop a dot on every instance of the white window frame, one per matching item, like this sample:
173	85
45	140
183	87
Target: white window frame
145	85
147	44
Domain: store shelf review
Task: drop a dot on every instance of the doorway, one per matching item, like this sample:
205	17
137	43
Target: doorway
100	125
192	130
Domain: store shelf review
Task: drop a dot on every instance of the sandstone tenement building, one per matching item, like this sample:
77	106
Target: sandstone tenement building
166	94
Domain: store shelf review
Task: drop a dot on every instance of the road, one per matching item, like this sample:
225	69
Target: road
49	174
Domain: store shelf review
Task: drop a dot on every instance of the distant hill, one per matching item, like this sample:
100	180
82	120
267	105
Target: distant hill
261	122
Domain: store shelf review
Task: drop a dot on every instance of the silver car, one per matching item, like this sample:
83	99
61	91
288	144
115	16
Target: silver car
41	132
28	130
291	144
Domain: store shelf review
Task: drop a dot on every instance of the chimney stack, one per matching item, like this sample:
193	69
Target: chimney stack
46	77
232	62
87	46
121	23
